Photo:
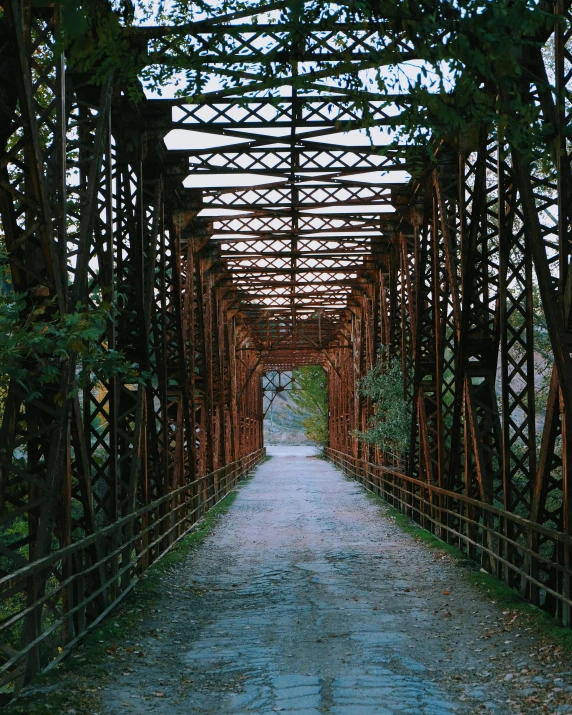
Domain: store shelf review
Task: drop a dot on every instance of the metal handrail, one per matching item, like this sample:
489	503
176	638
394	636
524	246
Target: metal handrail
91	586
477	528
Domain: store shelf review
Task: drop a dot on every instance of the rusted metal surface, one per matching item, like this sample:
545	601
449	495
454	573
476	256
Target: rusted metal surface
92	588
469	524
314	263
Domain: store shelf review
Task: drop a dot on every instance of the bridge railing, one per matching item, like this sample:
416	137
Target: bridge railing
530	557
83	582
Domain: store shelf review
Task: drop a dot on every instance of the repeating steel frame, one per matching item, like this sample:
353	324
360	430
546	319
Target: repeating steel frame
313	264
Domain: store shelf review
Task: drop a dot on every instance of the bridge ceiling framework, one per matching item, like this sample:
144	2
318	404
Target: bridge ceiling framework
323	254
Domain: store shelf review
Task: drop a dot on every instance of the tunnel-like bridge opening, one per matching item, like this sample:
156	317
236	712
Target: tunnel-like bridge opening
173	250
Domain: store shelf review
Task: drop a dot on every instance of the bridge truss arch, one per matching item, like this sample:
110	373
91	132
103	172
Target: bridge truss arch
244	230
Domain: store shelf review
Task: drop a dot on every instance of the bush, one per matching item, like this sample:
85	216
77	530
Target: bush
389	427
310	395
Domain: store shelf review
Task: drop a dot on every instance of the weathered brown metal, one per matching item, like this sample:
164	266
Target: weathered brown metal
452	273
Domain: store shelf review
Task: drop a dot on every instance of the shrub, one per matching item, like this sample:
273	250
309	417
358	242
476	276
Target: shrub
389	427
310	395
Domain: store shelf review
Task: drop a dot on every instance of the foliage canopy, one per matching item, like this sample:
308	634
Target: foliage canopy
34	343
389	427
460	63
310	396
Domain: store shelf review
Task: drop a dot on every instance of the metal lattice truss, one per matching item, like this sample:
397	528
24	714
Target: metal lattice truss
240	231
274	385
296	248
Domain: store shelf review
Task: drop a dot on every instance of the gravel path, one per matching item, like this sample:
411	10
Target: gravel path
307	599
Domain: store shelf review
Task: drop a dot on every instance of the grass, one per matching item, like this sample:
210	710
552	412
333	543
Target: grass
321	454
413	529
496	590
488	585
74	686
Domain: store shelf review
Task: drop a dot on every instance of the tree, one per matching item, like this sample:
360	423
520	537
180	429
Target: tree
310	395
389	427
33	345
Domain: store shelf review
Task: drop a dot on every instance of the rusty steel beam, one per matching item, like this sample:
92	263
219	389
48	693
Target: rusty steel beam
466	283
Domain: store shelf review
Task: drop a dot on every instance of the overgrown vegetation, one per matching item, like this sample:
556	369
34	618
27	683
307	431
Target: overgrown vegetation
310	396
389	426
462	69
36	339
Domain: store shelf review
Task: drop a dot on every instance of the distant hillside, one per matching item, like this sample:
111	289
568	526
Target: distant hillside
281	425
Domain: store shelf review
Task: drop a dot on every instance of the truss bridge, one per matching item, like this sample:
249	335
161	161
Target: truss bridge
225	236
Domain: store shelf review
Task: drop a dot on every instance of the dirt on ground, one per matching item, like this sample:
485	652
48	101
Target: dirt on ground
309	599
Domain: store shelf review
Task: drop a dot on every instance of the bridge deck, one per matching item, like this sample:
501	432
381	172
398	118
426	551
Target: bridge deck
309	599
